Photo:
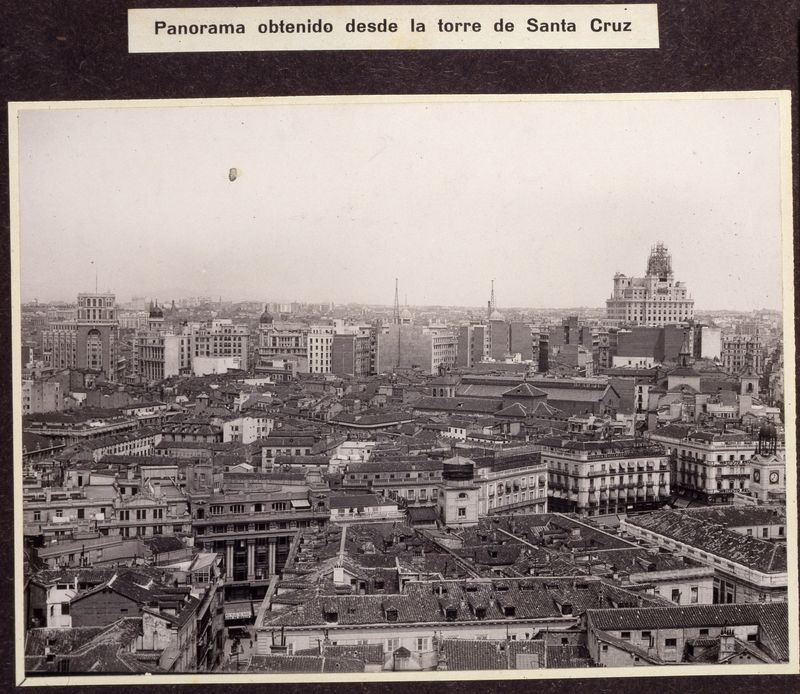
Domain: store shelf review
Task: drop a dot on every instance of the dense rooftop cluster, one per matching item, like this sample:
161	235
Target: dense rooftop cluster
274	491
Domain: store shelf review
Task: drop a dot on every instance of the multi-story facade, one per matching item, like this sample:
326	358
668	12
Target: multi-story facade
504	484
277	339
747	568
471	344
253	532
653	300
741	351
407	625
320	342
247	428
59	342
71	427
87	342
158	353
286	444
41	396
415	481
694	634
605	476
406	346
524	340
516	483
220	338
97	333
352	355
711	466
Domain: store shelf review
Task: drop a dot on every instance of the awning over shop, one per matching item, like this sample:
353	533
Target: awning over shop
300	503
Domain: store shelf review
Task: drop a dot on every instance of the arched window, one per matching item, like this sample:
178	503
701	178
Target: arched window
94	350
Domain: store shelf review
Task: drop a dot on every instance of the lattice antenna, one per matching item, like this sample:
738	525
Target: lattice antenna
396	315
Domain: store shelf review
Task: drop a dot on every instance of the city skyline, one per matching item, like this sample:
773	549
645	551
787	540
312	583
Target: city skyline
166	301
397	191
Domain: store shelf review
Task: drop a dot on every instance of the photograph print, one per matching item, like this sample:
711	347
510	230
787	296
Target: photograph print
404	388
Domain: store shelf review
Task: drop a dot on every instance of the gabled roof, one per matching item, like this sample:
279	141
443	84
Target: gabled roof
771	617
627	646
514	410
525	390
105	653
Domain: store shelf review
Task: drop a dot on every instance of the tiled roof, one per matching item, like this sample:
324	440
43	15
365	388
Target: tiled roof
164	543
105	653
458	601
371	418
279	441
741	516
61	641
673	431
525	390
367	653
420	514
707	536
466	654
459	404
515	410
358	501
568	656
484	654
771	617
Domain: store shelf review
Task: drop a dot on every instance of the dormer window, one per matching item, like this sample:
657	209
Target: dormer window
450	613
331	615
391	614
480	612
509	610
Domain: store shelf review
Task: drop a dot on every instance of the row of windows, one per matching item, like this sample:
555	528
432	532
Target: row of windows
408	475
219	509
270	452
411	494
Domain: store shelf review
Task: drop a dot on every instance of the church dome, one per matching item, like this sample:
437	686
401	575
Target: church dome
496	315
266	317
156	311
405	315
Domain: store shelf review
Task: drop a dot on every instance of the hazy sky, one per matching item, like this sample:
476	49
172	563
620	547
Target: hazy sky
334	201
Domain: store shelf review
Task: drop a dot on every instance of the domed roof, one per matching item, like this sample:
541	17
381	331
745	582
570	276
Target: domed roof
768	429
496	315
459	460
405	315
266	317
156	311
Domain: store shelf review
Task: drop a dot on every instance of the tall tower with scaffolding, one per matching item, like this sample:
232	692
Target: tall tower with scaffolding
396	313
491	305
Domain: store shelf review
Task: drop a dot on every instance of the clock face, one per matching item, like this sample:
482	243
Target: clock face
756	475
773	477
